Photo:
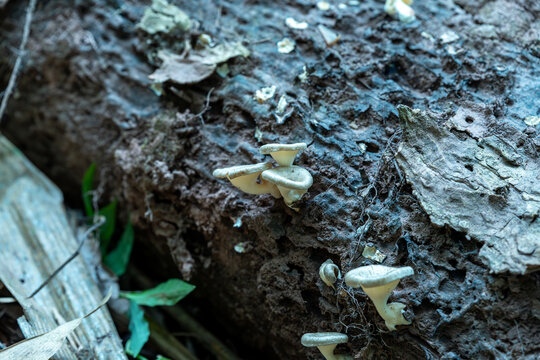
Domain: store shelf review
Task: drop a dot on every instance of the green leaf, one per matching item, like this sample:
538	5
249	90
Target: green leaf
87	186
117	260
107	230
140	331
140	357
161	357
167	293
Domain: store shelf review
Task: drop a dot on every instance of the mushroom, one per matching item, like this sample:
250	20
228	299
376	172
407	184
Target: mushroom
378	281
292	181
283	153
329	273
245	177
326	342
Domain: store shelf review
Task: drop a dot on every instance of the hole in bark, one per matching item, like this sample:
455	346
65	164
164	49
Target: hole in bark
469	119
282	244
312	301
447	311
372	147
469	167
458	275
295	271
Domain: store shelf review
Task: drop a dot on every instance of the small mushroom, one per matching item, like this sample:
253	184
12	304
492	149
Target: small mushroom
284	154
378	282
326	342
291	181
245	178
329	273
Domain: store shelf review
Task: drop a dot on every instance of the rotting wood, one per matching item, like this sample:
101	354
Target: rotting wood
456	179
35	238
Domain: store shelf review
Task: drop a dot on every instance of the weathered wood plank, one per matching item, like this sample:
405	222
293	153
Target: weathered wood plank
35	239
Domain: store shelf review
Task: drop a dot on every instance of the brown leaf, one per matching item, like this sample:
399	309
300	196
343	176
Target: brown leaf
182	71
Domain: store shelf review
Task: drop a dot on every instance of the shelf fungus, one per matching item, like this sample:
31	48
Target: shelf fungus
284	154
292	181
247	178
401	8
378	282
286	180
329	273
326	342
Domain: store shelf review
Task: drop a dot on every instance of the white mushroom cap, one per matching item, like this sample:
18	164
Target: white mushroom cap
378	282
329	272
284	154
292	177
241	170
376	275
245	177
323	338
292	181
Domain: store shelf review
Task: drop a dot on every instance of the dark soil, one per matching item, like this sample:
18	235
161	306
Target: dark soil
84	96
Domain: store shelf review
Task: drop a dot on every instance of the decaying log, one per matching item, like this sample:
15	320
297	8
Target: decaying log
35	239
85	96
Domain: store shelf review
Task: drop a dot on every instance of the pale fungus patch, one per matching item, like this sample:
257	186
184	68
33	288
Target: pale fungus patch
284	154
329	273
448	37
162	17
264	94
303	76
378	282
285	45
326	342
372	253
323	5
298	25
292	182
246	178
532	120
401	8
282	105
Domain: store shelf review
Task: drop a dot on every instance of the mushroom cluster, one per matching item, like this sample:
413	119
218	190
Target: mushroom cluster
287	180
378	282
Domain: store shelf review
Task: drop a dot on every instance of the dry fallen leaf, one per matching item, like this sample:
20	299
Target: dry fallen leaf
219	54
44	346
182	71
199	65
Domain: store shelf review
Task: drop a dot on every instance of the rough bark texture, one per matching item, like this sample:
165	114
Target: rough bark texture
84	96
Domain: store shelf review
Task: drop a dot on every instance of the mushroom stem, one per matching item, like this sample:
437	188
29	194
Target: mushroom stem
290	195
328	351
391	313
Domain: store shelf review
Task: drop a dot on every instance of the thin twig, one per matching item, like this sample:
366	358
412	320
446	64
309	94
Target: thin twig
18	62
84	237
206	106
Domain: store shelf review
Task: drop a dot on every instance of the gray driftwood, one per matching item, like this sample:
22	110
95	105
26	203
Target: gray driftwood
35	239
